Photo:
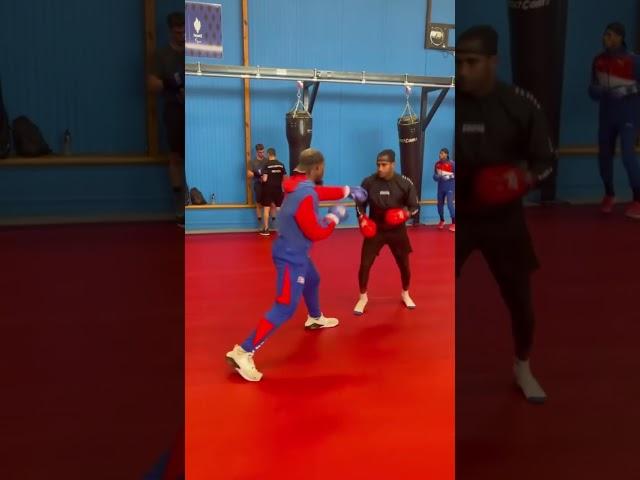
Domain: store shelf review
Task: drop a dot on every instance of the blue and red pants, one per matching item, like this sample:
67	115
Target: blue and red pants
297	278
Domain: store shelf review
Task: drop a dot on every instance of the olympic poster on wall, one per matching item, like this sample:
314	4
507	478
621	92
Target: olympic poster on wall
203	29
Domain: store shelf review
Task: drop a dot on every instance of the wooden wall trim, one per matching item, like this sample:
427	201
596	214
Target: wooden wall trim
578	150
83	160
247	98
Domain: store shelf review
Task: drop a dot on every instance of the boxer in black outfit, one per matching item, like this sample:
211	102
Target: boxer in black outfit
392	200
503	150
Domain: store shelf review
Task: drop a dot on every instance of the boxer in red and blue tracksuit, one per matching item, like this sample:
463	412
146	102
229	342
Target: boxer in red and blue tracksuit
443	173
614	83
297	277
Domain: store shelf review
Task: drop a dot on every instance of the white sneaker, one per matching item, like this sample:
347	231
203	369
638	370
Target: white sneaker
362	303
527	382
406	299
320	322
242	362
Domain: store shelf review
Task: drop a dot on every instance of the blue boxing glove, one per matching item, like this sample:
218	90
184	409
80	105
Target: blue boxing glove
358	194
337	214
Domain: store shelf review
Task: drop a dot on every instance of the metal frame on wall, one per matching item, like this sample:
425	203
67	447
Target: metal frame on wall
312	78
436	35
316	75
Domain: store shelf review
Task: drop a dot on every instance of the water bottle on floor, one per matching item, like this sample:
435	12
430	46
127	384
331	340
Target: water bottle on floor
66	143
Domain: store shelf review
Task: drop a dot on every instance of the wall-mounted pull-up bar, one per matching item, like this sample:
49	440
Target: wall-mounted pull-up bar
314	75
307	79
313	78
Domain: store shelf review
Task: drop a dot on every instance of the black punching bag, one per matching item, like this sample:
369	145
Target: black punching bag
409	135
299	126
538	30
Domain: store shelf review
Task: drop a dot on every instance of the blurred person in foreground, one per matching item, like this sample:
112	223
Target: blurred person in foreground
503	151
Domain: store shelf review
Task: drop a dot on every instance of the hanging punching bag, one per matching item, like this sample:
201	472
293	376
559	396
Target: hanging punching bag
409	135
538	30
299	126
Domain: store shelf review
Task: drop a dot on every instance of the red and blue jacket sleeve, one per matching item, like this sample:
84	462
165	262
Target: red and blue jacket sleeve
307	219
330	193
435	171
324	193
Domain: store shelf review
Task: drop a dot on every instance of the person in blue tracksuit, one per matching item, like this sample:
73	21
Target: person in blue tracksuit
614	84
297	277
444	173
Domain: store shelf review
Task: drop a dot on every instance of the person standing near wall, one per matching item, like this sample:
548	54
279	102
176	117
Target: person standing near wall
255	173
168	79
443	174
614	84
273	173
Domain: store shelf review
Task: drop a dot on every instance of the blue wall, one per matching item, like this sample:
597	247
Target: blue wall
351	122
77	65
578	176
80	65
73	193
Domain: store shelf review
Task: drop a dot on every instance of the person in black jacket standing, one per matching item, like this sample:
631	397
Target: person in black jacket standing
503	150
168	79
392	200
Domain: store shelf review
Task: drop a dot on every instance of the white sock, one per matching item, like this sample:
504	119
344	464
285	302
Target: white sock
409	303
527	382
362	302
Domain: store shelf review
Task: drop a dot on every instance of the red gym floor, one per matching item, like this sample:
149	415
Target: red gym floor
370	399
586	357
100	305
91	362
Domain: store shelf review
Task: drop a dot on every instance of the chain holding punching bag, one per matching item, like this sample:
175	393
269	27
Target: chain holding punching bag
299	125
410	136
538	31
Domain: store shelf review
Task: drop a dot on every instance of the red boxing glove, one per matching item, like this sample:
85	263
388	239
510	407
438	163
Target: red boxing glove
396	216
368	227
501	184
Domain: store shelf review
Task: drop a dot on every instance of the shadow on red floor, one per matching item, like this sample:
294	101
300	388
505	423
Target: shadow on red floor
586	357
91	349
371	399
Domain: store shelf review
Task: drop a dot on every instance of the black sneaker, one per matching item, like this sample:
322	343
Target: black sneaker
264	232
